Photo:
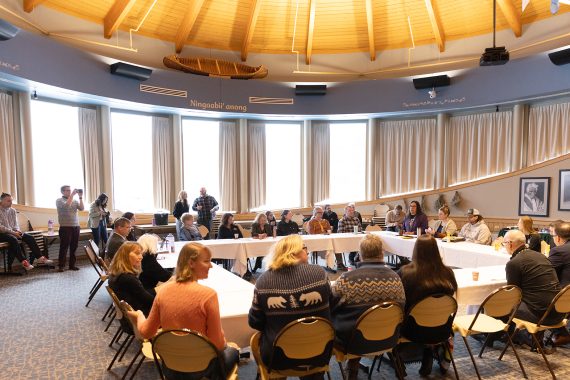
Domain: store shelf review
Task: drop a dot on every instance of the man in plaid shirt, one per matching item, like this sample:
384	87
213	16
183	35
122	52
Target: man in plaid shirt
206	205
347	224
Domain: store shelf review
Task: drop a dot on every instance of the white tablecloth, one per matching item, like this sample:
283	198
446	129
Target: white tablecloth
474	292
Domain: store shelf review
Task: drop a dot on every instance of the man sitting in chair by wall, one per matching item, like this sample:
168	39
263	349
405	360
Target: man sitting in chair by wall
358	290
560	259
10	233
121	230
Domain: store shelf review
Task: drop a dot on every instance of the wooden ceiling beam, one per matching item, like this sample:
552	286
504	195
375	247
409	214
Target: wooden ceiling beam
187	23
510	12
311	29
29	5
255	7
435	26
370	22
116	15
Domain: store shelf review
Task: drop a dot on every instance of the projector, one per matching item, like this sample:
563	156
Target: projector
494	56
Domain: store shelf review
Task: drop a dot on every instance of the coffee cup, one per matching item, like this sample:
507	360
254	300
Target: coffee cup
329	232
475	275
236	236
355	229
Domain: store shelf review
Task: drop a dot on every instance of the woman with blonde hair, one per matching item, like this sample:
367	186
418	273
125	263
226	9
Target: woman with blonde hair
188	231
444	225
290	289
532	237
183	303
180	207
152	272
123	277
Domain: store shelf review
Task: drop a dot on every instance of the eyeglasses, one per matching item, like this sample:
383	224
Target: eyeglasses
504	244
305	247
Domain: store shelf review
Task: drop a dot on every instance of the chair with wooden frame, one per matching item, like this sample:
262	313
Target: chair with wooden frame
561	304
502	302
370	228
188	351
305	340
376	332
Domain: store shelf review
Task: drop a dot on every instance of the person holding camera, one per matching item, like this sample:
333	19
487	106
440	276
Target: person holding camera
67	209
98	216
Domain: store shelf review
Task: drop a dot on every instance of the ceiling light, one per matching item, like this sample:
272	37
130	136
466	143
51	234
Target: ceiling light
34	95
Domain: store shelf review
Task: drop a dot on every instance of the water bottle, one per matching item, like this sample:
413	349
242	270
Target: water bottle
50	227
170	242
274	232
153	221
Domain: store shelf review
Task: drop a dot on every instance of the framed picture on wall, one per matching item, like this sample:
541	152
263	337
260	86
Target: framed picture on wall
534	194
564	190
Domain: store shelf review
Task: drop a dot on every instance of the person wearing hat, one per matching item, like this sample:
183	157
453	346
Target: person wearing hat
476	231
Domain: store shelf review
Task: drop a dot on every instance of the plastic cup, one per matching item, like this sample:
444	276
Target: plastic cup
355	229
236	236
497	246
475	275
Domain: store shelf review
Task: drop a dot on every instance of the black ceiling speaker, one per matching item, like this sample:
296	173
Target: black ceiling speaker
7	30
561	57
431	82
130	71
311	89
494	56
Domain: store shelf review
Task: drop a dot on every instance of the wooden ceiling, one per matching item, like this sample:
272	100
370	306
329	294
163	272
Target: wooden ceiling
307	26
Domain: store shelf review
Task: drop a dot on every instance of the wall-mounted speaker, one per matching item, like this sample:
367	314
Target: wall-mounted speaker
431	82
7	30
130	71
311	89
561	57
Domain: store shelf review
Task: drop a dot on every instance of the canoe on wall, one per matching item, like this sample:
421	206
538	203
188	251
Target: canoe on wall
214	67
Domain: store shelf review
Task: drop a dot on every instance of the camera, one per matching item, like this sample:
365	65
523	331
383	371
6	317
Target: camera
79	191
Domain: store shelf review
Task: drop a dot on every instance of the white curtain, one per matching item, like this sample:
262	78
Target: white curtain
161	162
548	132
89	143
479	145
320	160
229	166
8	151
406	155
256	163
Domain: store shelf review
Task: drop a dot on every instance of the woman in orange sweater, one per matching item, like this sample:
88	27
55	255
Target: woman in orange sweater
184	303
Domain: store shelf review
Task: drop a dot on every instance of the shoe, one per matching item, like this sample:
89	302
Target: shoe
330	270
427	362
27	265
60	270
73	268
44	261
560	340
341	267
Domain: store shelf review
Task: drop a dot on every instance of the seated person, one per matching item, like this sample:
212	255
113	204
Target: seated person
346	225
260	229
349	302
123	277
152	272
286	226
394	219
271	219
331	216
424	276
444	225
415	219
121	230
290	289
476	231
552	233
132	218
319	226
10	233
228	230
188	231
183	303
532	237
559	257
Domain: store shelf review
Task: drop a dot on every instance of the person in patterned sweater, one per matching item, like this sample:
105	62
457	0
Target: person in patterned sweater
290	289
356	291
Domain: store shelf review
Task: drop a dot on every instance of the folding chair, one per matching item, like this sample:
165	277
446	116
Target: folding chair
309	340
187	351
101	270
501	302
560	303
376	332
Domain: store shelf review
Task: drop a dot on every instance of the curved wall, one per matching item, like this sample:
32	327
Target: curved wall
30	57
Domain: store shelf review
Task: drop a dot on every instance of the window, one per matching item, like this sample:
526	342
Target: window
282	165
348	162
131	137
201	157
58	163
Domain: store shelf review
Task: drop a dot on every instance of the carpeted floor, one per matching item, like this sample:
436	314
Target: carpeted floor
49	334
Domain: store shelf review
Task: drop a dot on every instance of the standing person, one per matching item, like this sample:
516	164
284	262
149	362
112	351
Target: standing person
68	225
97	220
444	225
394	219
476	231
10	233
346	225
180	207
348	302
188	231
286	226
332	217
415	219
532	237
206	206
290	289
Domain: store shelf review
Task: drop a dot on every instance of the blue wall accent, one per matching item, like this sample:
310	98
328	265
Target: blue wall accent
41	59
